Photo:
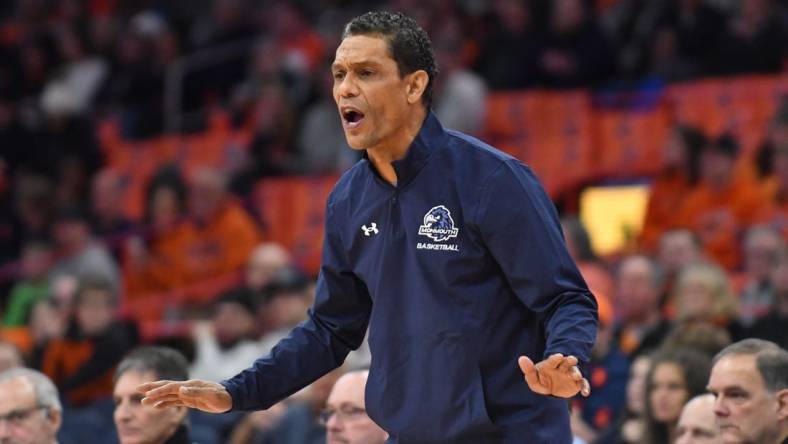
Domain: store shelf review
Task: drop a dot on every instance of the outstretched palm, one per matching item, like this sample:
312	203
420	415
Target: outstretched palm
557	375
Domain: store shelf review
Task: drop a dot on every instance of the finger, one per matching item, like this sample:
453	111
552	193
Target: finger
585	389
567	364
166	404
575	374
554	360
154	401
148	386
167	389
529	370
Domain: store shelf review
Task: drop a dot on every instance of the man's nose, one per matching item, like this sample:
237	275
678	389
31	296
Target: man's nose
333	423
720	409
347	87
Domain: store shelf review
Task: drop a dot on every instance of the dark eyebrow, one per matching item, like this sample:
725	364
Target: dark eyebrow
372	63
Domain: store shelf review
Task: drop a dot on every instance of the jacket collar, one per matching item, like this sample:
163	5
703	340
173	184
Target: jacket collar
428	140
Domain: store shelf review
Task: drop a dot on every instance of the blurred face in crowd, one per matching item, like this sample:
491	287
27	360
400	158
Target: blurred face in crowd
22	420
567	14
747	412
71	233
636	385
668	392
206	194
106	195
345	413
137	423
760	253
716	167
375	102
94	311
232	322
636	295
165	208
677	249
9	356
697	423
36	260
265	262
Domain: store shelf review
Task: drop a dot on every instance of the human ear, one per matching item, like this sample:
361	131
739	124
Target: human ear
417	82
782	404
55	418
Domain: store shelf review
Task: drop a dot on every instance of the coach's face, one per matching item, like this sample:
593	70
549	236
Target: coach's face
374	100
746	411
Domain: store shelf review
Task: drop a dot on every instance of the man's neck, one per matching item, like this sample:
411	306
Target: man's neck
395	148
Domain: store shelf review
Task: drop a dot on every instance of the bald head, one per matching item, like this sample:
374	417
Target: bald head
346	416
697	422
265	262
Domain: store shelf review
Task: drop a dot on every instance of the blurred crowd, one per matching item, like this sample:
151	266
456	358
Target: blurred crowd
709	268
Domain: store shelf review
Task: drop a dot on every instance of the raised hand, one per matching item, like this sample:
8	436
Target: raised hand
202	395
557	375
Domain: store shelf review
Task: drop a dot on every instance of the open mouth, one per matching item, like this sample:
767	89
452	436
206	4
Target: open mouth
351	118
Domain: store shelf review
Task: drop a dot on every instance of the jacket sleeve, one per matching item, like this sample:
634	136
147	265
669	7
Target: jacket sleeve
519	225
336	324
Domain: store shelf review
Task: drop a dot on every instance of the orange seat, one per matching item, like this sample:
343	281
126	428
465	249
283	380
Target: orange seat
292	210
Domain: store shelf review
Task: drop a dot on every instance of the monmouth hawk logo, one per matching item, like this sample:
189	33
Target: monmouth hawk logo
438	224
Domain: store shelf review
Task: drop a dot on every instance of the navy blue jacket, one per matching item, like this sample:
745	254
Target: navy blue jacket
458	269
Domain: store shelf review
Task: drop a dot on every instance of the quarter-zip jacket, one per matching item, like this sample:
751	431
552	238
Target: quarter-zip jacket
458	270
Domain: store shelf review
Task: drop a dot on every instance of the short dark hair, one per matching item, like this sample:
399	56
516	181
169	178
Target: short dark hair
408	43
770	359
164	362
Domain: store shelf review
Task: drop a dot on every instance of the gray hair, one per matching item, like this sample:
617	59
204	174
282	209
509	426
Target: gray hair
770	359
45	390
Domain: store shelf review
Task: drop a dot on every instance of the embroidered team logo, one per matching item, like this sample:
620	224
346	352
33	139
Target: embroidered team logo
438	224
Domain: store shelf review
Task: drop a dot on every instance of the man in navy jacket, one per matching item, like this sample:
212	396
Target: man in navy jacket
452	254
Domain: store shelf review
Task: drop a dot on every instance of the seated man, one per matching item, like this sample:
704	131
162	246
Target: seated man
696	423
140	424
30	411
750	382
346	417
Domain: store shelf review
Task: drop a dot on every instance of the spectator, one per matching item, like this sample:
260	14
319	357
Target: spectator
678	248
776	140
697	422
703	293
220	234
285	305
702	337
33	284
762	246
753	40
82	362
575	52
674	378
71	91
78	254
266	263
345	417
640	325
10	356
30	410
108	220
507	57
749	380
721	204
772	326
608	370
137	423
593	269
630	427
230	338
460	94
151	260
678	176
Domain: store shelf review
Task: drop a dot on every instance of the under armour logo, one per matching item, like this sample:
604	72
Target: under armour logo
373	228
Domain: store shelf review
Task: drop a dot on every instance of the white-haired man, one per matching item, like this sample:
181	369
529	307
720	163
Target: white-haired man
30	410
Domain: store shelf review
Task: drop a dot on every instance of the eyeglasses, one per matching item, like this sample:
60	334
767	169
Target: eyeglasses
17	417
344	413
